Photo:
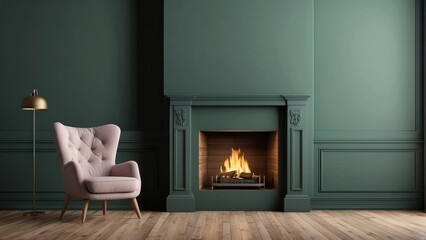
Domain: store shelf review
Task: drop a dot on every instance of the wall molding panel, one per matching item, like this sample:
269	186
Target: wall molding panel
368	176
374	155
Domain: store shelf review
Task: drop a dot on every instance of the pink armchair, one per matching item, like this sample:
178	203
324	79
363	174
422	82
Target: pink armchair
87	161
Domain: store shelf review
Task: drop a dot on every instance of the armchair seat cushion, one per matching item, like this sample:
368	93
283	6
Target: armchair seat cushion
111	184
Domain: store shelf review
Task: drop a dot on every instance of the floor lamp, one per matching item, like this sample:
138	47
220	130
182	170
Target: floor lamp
34	102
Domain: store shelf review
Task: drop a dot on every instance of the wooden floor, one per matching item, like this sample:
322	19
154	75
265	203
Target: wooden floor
217	225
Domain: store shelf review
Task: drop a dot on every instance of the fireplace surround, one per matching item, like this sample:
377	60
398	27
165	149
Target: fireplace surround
195	117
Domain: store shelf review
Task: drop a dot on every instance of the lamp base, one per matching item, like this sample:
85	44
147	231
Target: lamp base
33	213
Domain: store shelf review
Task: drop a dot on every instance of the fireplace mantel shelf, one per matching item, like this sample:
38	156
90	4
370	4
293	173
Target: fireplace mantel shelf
235	100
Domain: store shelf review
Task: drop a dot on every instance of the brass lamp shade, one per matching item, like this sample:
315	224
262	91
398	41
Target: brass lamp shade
34	102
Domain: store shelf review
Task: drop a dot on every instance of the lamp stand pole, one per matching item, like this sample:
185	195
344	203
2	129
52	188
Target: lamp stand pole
34	212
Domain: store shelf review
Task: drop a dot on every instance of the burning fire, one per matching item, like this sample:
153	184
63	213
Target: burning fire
236	162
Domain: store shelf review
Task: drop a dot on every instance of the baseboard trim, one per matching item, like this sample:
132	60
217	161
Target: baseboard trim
367	203
75	204
180	203
297	203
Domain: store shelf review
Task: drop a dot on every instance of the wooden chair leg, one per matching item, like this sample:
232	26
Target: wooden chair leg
85	207
136	207
104	207
66	203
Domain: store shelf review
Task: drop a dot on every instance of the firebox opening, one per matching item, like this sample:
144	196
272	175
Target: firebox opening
238	160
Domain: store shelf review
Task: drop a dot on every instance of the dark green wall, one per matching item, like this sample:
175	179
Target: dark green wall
368	104
359	60
238	47
79	54
95	62
367	64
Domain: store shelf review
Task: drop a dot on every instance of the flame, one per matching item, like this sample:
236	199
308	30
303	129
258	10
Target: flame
236	162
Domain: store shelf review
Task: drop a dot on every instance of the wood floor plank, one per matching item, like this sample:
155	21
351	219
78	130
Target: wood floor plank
289	225
360	229
396	231
192	222
209	225
366	225
218	230
138	226
414	222
156	229
265	221
312	220
353	232
339	220
200	225
244	227
120	229
235	226
277	226
182	226
321	223
148	225
263	232
227	231
305	229
214	229
252	226
169	227
226	225
216	225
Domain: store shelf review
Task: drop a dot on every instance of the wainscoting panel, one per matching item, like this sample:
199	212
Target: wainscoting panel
146	148
358	170
369	175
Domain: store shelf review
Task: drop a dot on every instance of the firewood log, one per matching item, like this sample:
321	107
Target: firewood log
246	175
230	174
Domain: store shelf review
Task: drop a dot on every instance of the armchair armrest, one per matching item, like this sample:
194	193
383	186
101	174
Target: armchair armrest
126	169
73	179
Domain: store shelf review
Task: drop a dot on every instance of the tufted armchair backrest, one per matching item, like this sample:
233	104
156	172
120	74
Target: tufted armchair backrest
94	149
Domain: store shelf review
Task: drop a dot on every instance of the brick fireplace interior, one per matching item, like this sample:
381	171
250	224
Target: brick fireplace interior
259	150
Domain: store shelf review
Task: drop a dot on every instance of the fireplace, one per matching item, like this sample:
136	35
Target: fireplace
238	153
238	160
